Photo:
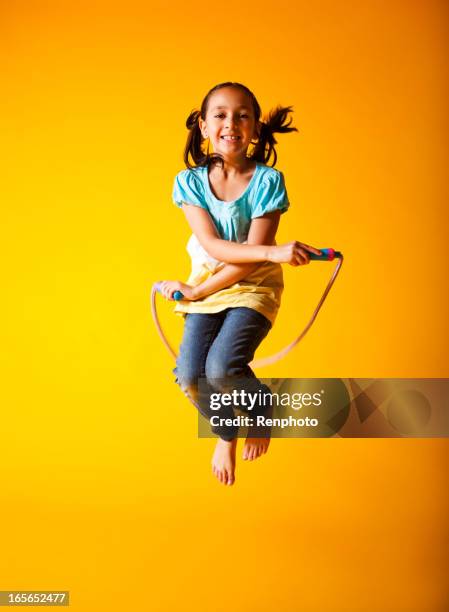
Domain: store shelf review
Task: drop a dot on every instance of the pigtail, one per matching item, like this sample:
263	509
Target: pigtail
194	144
194	140
275	122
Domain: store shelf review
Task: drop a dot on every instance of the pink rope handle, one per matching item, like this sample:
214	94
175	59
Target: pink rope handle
264	361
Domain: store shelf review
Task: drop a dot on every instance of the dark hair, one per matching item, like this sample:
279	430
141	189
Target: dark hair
263	148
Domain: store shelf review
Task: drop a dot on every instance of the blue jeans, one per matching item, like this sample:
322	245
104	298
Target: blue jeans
218	348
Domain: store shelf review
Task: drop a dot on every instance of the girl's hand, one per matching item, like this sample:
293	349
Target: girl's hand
168	288
293	253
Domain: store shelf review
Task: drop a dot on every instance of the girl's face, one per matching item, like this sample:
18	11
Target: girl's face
230	123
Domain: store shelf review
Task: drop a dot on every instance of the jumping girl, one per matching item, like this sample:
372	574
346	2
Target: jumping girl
232	201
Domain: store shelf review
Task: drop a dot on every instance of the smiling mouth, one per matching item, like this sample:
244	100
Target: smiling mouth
230	137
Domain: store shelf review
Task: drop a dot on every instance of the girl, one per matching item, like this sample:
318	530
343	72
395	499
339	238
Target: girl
232	201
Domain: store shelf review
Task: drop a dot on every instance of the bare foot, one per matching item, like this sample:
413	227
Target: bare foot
223	461
255	447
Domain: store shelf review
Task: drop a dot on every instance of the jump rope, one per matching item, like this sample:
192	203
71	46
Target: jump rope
327	255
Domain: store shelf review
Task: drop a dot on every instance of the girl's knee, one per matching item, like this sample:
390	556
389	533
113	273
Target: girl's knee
186	377
216	369
221	370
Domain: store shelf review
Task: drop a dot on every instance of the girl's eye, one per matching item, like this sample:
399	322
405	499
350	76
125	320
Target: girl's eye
222	115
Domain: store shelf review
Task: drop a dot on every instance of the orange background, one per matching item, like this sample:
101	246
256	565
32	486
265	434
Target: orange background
106	490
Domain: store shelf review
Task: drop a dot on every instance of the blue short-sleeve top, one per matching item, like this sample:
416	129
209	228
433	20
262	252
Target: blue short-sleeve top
264	193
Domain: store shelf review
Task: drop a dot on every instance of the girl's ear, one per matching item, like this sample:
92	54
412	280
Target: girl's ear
257	129
202	125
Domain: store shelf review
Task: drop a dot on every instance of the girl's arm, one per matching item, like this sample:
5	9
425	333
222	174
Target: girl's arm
262	231
260	248
201	224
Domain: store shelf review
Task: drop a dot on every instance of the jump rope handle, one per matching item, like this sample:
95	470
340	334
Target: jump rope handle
327	255
176	296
